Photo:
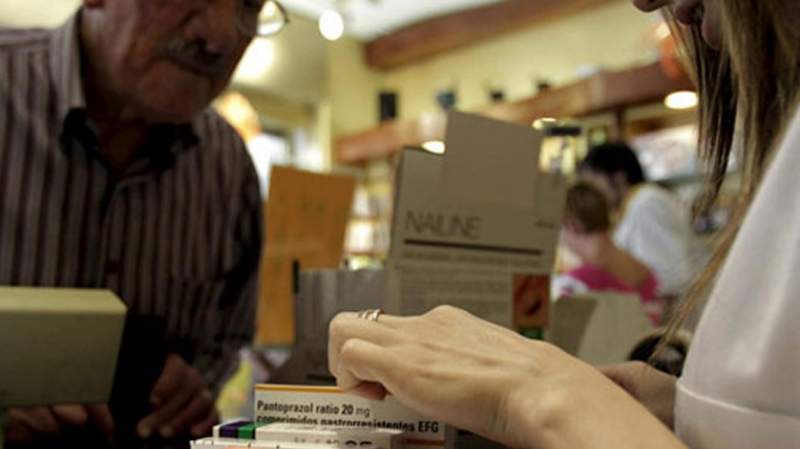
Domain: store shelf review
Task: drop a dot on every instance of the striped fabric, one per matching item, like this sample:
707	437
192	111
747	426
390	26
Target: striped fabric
177	236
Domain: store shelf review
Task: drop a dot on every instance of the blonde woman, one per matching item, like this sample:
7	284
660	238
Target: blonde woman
604	267
741	383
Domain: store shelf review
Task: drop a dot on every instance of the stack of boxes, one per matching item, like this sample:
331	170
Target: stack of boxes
306	417
243	434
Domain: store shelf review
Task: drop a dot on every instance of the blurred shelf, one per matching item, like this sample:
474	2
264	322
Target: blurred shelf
369	218
605	91
374	255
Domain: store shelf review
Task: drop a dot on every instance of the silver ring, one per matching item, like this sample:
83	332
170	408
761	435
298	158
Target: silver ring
370	314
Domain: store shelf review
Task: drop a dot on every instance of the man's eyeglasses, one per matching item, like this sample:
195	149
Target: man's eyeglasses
261	18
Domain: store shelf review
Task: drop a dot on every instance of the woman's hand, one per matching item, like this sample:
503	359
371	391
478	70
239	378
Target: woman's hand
451	366
654	389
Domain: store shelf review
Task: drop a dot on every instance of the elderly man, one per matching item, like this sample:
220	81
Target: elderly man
115	174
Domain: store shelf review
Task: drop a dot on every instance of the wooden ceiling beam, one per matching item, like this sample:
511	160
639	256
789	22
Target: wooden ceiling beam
442	34
605	91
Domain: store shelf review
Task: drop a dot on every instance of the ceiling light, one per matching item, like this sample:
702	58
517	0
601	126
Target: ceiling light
680	100
331	25
434	146
544	123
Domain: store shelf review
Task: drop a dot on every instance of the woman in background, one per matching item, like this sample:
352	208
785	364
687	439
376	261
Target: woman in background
741	384
604	267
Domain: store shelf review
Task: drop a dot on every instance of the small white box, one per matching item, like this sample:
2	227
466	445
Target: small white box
340	437
214	443
227	443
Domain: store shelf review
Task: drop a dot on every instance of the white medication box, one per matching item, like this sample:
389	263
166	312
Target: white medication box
331	408
340	437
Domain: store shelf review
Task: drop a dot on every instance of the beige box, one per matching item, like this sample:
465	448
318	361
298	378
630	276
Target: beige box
599	328
58	346
476	228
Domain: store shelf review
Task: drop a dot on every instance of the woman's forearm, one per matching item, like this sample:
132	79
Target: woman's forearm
596	415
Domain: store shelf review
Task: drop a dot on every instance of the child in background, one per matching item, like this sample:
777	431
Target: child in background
604	267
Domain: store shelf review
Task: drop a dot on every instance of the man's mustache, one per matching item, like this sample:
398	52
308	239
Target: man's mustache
194	56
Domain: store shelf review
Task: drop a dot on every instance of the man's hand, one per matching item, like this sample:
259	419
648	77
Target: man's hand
28	425
181	401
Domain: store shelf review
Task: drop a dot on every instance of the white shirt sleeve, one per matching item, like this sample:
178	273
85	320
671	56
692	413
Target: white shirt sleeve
741	383
565	285
656	230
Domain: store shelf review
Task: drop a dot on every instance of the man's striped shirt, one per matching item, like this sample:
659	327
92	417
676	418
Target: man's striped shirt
177	236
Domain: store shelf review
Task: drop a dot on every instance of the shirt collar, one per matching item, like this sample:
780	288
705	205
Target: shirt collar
65	69
626	202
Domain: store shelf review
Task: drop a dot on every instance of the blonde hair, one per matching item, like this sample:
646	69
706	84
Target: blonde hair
587	208
752	84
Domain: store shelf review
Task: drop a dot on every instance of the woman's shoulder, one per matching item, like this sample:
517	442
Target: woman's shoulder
597	278
649	288
587	271
751	318
650	197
